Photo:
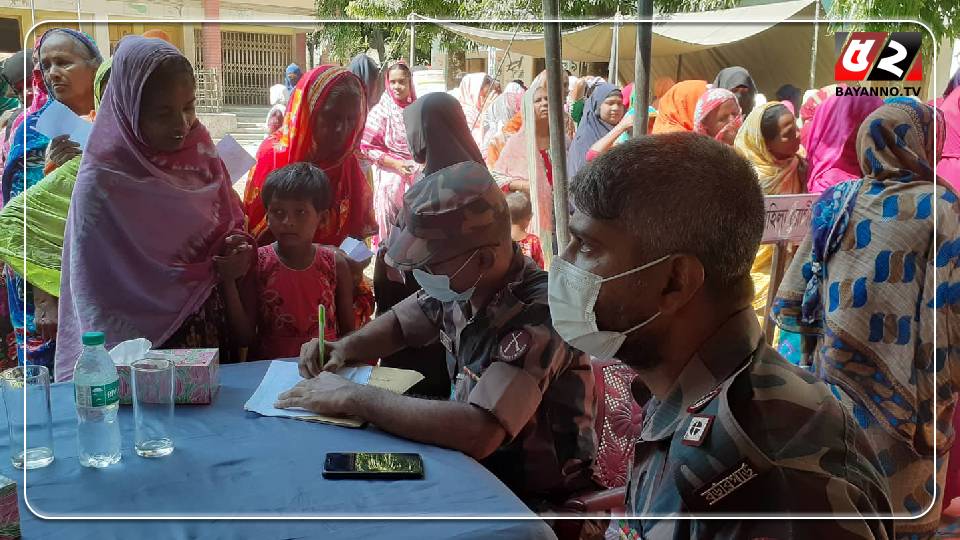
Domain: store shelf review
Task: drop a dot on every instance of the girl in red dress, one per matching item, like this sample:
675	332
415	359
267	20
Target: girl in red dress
294	275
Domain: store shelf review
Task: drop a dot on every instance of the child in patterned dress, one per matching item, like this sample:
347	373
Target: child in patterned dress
293	275
521	212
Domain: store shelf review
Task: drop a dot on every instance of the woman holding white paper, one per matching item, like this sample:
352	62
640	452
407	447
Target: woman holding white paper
66	64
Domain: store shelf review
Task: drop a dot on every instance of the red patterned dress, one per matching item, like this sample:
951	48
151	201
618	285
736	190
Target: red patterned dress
288	300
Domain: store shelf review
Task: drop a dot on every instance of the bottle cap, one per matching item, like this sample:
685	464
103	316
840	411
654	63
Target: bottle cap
93	338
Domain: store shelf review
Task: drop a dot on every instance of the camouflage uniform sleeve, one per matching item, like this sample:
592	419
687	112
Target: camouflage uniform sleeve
525	361
420	319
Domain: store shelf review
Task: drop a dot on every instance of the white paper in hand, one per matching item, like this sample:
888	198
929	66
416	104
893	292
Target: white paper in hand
57	120
355	249
237	160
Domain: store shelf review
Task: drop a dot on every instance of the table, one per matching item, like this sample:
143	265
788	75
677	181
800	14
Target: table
230	462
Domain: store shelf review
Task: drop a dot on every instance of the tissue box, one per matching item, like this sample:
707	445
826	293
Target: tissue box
9	509
197	377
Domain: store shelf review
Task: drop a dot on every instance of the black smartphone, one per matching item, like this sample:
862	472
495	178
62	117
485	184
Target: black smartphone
373	466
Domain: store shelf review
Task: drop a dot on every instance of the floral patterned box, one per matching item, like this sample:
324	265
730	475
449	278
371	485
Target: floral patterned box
9	509
198	375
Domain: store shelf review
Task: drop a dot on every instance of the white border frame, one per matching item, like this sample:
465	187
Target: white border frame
348	517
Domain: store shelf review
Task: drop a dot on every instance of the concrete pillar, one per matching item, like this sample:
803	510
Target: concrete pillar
300	50
190	44
210	33
101	33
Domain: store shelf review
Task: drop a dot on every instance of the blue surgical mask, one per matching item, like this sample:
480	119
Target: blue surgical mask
438	285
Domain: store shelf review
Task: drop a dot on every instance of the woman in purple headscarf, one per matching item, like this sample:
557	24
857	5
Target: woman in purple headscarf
148	158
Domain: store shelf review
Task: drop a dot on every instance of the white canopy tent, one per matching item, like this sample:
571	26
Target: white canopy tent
697	45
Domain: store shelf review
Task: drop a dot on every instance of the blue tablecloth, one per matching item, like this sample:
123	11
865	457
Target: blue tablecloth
232	462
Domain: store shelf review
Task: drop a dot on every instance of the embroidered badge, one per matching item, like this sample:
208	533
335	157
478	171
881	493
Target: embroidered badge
699	404
446	342
514	345
697	430
728	482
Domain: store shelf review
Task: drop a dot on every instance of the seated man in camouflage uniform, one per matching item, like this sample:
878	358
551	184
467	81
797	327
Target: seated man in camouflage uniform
523	399
657	274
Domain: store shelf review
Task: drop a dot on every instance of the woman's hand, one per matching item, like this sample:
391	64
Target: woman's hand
62	150
400	166
625	124
45	314
235	266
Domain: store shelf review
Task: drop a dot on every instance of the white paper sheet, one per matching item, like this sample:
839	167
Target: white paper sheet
282	376
355	249
58	120
237	160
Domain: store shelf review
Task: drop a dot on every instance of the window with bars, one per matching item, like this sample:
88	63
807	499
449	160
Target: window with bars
251	64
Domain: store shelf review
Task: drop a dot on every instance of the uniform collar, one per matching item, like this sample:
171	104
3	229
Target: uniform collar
505	304
715	361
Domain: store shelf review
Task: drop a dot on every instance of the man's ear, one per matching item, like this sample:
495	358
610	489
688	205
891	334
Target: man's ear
487	258
685	277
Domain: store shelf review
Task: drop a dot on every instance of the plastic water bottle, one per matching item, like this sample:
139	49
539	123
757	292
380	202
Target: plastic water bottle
97	389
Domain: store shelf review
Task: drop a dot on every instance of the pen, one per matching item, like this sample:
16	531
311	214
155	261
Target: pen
322	321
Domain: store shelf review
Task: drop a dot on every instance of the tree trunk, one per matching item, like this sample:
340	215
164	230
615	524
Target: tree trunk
377	43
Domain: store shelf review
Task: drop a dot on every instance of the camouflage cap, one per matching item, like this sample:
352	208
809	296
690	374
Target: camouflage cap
452	211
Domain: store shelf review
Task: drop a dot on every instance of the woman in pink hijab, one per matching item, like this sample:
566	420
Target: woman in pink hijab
831	140
152	213
948	167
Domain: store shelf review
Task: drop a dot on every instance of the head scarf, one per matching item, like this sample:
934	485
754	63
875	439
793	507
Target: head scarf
505	107
292	68
47	202
952	84
865	278
789	95
119	276
369	73
468	94
627	94
591	128
949	165
709	102
25	154
832	140
385	136
156	33
811	100
521	159
513	87
677	107
351	212
733	77
777	176
437	133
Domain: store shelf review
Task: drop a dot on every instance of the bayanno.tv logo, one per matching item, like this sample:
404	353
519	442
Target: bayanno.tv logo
879	56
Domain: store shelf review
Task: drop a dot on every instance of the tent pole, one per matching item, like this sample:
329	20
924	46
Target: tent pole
555	99
641	83
816	39
613	73
413	43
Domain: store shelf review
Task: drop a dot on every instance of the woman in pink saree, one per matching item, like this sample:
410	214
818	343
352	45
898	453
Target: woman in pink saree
831	142
384	145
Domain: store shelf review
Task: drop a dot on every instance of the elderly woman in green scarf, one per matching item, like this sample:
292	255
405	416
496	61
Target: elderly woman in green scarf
46	205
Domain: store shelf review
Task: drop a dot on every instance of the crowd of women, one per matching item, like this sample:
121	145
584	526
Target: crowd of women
140	233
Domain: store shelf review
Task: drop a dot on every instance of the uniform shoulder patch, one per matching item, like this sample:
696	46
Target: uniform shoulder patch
514	345
699	404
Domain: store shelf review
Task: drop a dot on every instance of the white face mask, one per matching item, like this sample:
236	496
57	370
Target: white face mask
573	294
438	285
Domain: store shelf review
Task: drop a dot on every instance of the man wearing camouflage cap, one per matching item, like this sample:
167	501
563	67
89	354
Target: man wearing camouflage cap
657	274
522	401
